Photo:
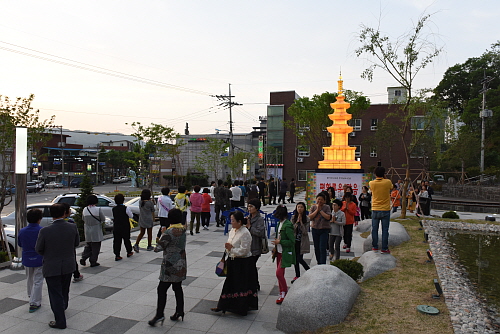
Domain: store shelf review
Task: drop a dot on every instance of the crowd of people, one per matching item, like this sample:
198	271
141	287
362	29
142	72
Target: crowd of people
50	252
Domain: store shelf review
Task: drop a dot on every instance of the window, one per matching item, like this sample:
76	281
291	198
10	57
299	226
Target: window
303	151
374	124
397	92
355	123
373	152
302	175
102	202
357	153
417	123
303	127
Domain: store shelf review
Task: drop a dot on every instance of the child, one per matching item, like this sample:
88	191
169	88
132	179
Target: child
349	208
205	208
181	202
336	229
196	203
395	198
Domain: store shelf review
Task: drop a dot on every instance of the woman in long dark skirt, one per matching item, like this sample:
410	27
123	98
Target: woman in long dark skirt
239	293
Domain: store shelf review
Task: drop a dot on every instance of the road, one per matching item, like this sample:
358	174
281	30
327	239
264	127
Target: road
49	194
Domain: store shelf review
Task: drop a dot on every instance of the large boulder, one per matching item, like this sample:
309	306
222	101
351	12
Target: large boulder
376	263
397	235
364	226
323	296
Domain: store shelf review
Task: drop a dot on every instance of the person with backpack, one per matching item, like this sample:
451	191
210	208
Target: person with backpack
181	202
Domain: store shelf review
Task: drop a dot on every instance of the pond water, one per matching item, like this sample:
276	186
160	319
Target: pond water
479	254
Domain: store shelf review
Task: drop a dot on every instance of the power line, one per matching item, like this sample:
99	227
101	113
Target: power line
97	69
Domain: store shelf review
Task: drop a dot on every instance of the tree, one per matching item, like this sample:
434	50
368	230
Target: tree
310	117
402	59
86	189
150	140
14	113
210	158
460	90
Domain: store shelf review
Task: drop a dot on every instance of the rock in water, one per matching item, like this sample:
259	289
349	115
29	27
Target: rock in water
323	296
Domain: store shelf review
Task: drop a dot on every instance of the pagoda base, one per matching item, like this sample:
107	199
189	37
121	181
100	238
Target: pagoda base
339	164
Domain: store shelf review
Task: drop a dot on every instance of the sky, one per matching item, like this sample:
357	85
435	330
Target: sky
99	65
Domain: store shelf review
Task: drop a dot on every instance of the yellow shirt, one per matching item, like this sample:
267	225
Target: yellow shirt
381	194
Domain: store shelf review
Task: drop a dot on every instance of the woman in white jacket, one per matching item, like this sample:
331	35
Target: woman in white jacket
239	293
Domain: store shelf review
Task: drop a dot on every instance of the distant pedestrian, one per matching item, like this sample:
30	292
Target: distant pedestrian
282	191
56	243
257	228
336	229
349	208
121	227
365	203
146	219
32	261
292	191
165	204
213	185
181	201
262	191
244	193
205	208
219	205
196	200
320	216
272	191
285	249
381	208
302	245
395	198
93	219
236	194
253	192
77	277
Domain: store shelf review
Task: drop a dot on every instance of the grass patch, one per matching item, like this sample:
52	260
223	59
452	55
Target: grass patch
387	303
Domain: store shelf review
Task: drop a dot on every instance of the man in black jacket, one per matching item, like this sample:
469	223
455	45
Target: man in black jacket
57	243
262	191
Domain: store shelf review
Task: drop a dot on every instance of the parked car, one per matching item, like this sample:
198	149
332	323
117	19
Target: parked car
75	183
133	204
105	203
54	184
124	178
10	190
10	219
117	180
31	186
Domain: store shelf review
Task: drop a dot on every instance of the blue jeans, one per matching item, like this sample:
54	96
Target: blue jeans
384	217
320	240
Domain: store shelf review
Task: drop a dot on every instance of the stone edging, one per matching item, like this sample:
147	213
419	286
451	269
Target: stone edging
467	310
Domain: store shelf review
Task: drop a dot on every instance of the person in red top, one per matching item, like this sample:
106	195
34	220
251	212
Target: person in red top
205	208
349	208
395	198
196	200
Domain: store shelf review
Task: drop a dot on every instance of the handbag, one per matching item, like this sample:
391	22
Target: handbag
264	249
221	267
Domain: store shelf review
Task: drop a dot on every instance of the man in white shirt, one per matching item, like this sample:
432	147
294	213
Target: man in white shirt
236	191
165	204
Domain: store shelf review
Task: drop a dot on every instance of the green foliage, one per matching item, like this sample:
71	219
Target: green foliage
4	257
310	117
460	91
187	181
14	113
209	160
451	215
86	189
353	269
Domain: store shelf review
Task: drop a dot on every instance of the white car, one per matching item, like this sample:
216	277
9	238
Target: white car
133	204
105	203
54	185
10	231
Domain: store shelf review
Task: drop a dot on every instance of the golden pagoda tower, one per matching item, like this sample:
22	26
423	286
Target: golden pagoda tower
340	155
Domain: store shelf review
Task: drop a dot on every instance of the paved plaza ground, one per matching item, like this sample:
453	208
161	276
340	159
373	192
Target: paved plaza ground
120	297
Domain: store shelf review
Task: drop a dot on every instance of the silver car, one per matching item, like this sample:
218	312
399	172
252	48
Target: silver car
10	219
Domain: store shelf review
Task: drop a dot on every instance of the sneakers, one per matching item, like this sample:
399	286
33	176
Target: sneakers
386	251
33	308
118	258
76	280
281	298
150	248
136	248
375	250
130	254
82	262
347	250
294	279
345	246
95	264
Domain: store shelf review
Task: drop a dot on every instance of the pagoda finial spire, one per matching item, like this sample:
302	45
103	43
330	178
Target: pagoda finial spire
340	85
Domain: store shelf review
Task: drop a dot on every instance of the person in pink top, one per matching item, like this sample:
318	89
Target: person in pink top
196	200
205	208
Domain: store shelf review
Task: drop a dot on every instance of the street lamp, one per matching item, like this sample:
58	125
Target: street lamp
21	169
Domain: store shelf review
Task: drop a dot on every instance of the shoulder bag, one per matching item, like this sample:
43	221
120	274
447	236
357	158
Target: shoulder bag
221	268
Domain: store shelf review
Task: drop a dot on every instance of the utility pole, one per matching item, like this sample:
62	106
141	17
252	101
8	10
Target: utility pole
484	113
228	102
